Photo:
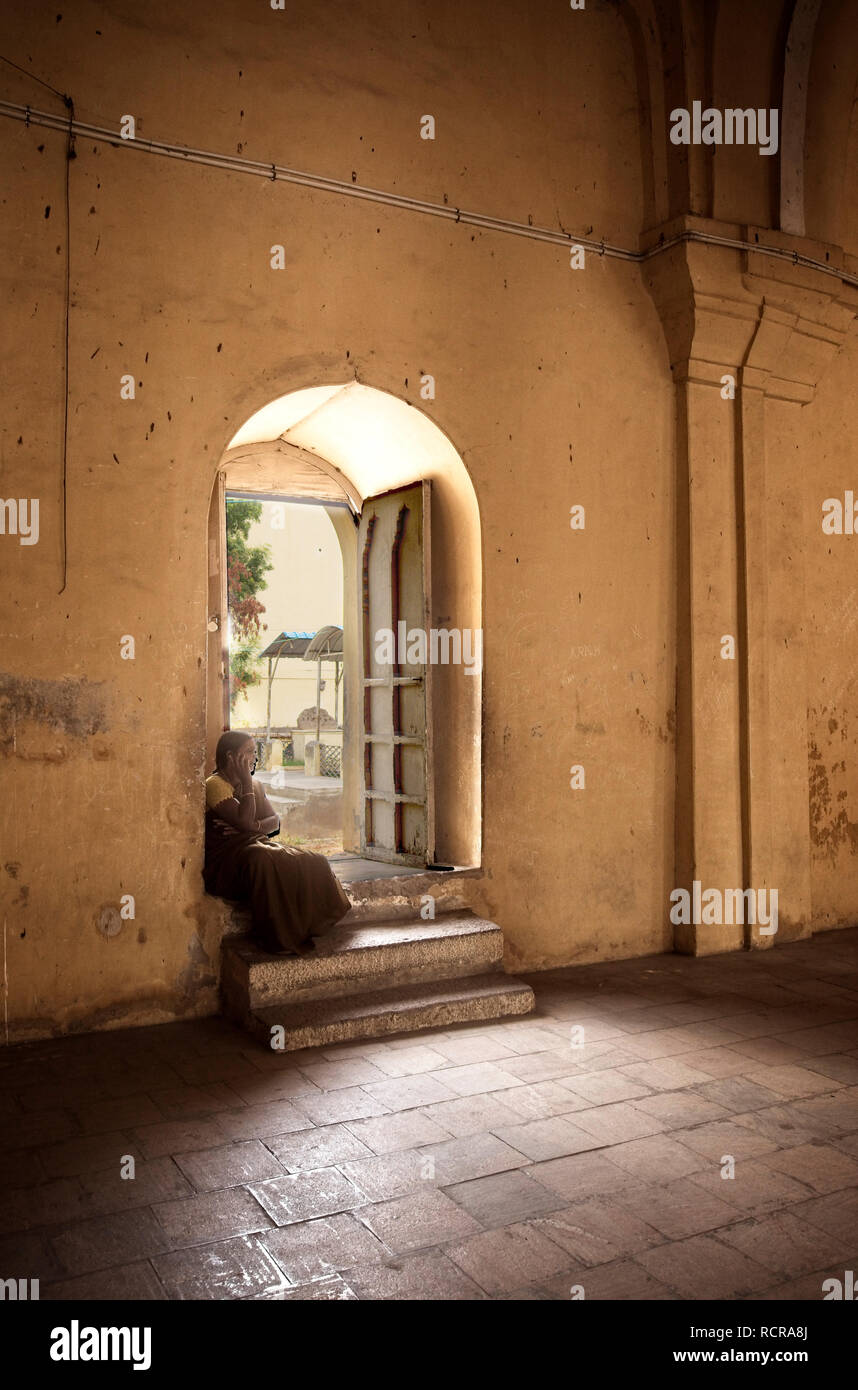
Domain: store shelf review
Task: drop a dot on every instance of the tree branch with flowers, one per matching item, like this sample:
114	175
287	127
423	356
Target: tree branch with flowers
246	566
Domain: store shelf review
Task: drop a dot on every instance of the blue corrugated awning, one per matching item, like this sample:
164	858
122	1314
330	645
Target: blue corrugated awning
289	644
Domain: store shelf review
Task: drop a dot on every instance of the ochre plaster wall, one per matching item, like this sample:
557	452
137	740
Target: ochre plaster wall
552	383
819	456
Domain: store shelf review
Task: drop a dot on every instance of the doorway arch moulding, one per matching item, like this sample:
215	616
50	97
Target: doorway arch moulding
349	442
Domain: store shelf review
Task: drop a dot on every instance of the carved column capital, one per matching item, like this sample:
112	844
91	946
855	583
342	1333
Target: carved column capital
764	312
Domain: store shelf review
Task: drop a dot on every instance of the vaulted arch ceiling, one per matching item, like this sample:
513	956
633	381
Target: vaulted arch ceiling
831	175
799	56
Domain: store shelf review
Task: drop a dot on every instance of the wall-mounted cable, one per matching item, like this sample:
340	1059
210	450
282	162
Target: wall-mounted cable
279	173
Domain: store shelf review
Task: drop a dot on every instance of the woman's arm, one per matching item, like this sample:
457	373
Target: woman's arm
239	810
263	805
241	815
268	819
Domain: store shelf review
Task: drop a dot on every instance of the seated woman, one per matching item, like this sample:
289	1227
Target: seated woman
293	894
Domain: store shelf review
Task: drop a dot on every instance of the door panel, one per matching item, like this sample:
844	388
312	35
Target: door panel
217	649
393	546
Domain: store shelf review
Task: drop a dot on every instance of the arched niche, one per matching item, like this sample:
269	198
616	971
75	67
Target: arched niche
347	443
831	137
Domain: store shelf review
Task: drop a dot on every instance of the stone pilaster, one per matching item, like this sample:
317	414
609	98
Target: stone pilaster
747	334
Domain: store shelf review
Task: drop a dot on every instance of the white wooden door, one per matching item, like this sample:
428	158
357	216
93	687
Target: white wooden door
397	813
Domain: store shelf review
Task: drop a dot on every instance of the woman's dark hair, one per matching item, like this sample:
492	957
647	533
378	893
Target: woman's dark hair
230	742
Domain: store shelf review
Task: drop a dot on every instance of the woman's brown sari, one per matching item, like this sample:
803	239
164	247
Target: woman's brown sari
292	893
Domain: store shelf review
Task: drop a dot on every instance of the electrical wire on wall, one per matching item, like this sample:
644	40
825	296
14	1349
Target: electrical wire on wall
277	173
70	155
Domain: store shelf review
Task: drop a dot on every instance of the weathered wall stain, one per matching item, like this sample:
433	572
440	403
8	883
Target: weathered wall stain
23	895
198	974
664	735
108	921
73	706
819	793
831	830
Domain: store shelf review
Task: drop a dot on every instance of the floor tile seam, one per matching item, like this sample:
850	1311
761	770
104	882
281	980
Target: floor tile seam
66	1227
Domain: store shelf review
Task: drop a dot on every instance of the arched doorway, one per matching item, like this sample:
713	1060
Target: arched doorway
406	518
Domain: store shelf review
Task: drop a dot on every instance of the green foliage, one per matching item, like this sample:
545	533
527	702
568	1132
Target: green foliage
256	560
246	567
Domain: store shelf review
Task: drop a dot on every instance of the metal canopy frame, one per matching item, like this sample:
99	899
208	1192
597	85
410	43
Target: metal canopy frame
324	645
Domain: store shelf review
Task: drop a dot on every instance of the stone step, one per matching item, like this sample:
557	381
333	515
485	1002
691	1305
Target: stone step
353	959
402	897
383	899
430	1004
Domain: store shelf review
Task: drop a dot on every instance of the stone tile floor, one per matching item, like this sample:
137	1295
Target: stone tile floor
588	1144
